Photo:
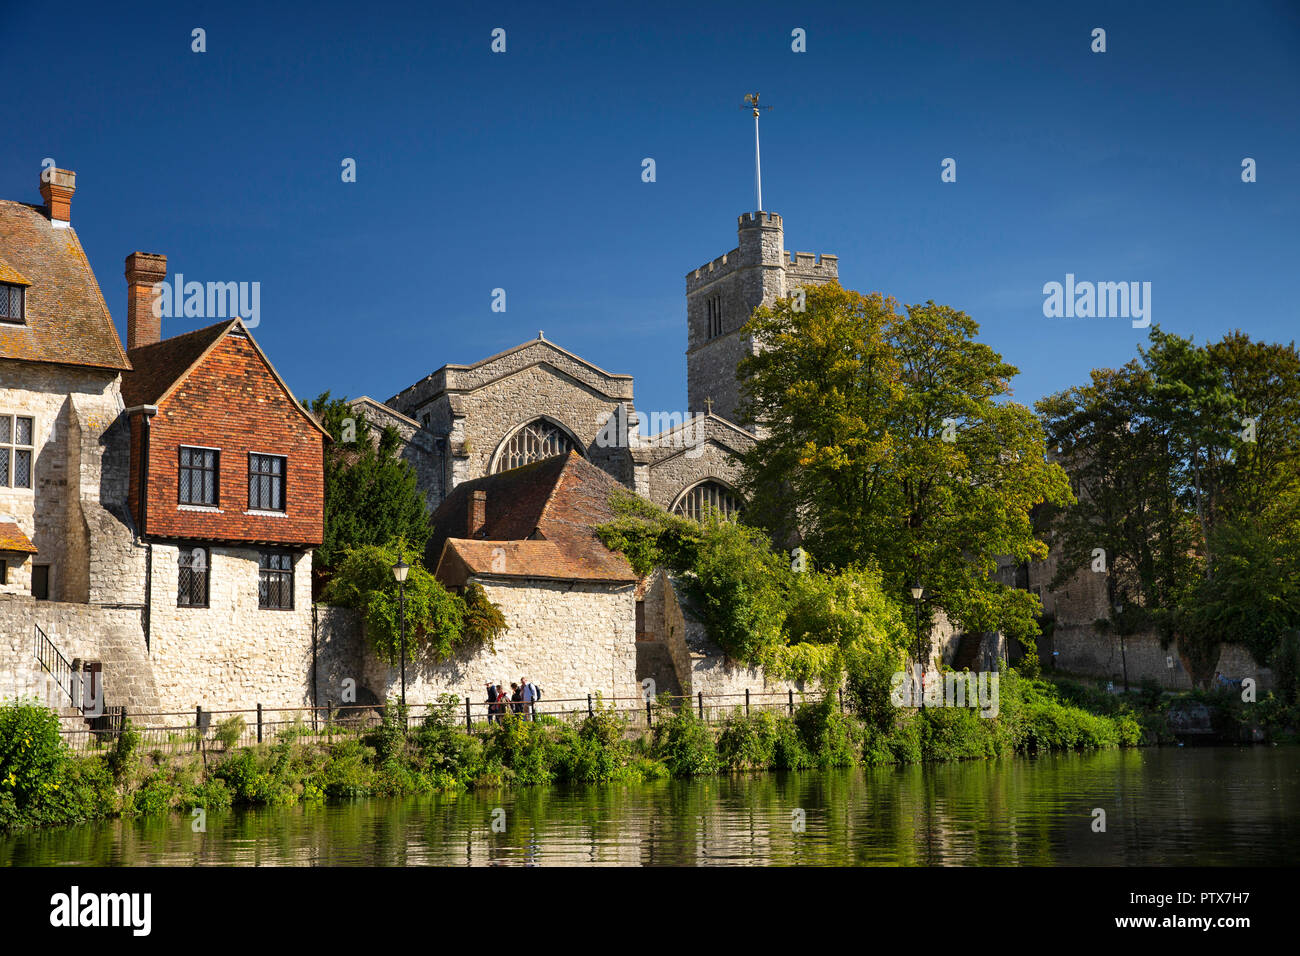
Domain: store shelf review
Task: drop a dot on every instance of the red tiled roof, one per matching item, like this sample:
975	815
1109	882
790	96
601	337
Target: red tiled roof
160	366
157	367
12	539
540	523
67	320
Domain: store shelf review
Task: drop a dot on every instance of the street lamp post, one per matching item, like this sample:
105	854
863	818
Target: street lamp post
400	570
918	593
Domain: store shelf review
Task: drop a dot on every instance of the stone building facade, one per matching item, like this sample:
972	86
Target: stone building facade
108	565
721	295
464	424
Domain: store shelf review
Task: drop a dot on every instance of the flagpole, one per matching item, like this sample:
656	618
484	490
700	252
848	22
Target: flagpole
758	167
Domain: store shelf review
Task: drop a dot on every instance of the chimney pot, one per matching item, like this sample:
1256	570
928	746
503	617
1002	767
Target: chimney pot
477	513
57	187
143	271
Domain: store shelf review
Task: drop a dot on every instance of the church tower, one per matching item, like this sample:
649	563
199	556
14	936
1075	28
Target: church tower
720	298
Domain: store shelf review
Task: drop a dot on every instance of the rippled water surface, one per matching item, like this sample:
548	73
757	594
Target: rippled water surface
1212	806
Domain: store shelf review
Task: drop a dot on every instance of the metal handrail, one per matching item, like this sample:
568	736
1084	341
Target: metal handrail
55	664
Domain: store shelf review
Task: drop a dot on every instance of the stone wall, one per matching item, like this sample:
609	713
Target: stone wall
72	408
1086	651
231	654
111	635
570	639
702	667
341	657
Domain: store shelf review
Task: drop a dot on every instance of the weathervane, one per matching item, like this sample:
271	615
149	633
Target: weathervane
751	101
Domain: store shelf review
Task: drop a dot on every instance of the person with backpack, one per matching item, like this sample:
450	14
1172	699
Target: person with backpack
491	703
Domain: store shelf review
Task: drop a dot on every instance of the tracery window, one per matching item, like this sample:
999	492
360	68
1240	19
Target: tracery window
708	496
535	441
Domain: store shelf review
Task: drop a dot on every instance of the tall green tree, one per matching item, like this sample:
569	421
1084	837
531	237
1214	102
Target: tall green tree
887	438
1188	466
371	496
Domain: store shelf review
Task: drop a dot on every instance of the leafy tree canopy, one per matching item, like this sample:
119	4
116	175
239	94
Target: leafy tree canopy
887	438
371	494
439	624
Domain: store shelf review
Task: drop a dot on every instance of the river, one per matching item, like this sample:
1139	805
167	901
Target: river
1168	806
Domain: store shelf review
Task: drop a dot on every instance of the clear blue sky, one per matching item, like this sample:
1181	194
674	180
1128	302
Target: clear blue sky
523	170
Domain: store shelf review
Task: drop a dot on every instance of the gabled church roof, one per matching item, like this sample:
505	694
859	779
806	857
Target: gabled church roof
540	522
66	319
455	379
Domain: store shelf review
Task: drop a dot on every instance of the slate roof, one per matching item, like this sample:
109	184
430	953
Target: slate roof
12	539
67	321
540	524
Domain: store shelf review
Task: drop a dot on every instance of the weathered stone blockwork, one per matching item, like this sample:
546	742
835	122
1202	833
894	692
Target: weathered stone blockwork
572	639
757	272
231	654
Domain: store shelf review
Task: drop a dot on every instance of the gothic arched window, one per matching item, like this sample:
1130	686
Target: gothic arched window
707	496
535	441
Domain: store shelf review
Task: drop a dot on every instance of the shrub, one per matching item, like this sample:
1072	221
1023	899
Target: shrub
229	731
438	622
123	757
684	743
33	755
748	742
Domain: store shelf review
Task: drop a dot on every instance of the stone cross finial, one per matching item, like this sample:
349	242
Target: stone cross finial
540	335
708	404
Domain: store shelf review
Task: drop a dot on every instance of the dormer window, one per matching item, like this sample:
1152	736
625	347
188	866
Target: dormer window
11	303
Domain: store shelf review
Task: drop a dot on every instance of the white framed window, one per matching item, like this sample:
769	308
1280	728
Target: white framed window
17	450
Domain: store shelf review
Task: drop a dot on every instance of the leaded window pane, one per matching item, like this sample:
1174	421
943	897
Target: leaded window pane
198	476
192	578
266	482
23	431
275	581
22	468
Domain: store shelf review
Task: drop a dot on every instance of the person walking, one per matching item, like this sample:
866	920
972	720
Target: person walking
529	696
516	699
492	703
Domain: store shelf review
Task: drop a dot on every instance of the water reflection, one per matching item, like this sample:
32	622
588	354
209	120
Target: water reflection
1171	806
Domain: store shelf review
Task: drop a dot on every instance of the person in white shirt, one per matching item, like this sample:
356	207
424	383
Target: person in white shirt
530	698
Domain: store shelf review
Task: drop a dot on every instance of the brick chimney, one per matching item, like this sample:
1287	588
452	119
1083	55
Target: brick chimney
477	513
143	269
57	193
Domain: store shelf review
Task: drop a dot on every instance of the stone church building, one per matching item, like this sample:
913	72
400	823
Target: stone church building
517	454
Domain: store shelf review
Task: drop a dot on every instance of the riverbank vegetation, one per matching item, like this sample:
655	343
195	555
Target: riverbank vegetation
42	783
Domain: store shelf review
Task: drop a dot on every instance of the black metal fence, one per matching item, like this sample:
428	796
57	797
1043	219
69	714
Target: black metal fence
208	730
